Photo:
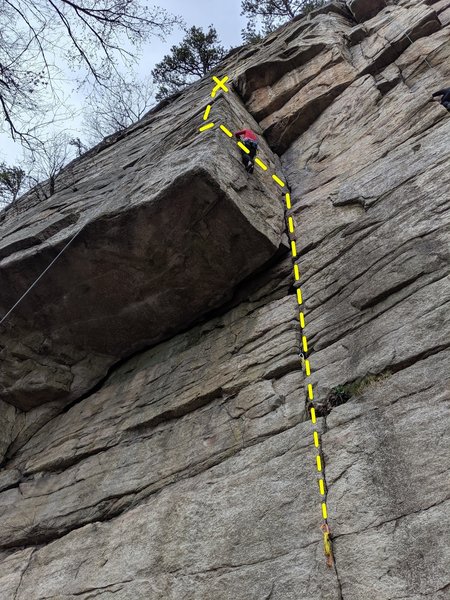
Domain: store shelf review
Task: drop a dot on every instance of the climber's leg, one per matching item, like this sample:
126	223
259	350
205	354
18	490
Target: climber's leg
245	159
446	104
251	157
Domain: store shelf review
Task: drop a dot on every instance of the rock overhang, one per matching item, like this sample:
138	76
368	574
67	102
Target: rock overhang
167	229
301	69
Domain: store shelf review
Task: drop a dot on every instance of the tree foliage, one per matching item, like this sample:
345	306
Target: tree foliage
197	54
117	107
42	164
270	14
12	182
39	37
79	146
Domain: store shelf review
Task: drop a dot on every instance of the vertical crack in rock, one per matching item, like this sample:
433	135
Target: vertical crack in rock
23	573
308	404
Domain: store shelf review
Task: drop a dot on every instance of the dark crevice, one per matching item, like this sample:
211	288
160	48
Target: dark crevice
15	485
399	517
338	580
410	361
282	370
61	464
376	299
325	499
178	411
23	572
344	392
42	236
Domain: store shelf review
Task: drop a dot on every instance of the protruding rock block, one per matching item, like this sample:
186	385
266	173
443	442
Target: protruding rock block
169	224
298	72
363	10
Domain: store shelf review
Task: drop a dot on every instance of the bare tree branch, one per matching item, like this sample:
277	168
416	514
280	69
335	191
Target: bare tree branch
270	14
113	109
92	36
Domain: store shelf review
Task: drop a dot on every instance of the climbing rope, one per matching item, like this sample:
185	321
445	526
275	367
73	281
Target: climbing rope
39	278
306	366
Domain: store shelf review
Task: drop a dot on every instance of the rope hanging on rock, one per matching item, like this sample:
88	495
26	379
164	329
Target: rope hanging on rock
39	278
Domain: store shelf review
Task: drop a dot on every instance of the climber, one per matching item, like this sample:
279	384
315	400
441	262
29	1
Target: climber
445	100
250	141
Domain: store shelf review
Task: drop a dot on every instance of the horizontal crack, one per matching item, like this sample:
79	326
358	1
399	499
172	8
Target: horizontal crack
392	520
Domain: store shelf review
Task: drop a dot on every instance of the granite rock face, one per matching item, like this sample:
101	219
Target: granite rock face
163	238
154	427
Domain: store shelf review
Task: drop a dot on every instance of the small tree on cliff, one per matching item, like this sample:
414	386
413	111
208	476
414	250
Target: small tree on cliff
12	182
270	14
197	54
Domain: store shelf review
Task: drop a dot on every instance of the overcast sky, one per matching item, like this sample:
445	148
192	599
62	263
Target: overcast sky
224	15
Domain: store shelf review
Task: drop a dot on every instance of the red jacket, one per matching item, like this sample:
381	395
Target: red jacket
246	133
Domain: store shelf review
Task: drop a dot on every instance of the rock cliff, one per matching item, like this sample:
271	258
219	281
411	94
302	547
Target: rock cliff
155	432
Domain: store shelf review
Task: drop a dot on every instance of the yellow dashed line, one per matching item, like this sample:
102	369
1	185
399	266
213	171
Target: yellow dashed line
207	111
278	180
244	148
260	163
207	126
220	84
227	131
304	343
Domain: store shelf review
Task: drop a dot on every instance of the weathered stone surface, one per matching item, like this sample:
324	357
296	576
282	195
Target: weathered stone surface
155	212
375	266
419	539
318	59
190	404
385	456
198	539
189	472
7	419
